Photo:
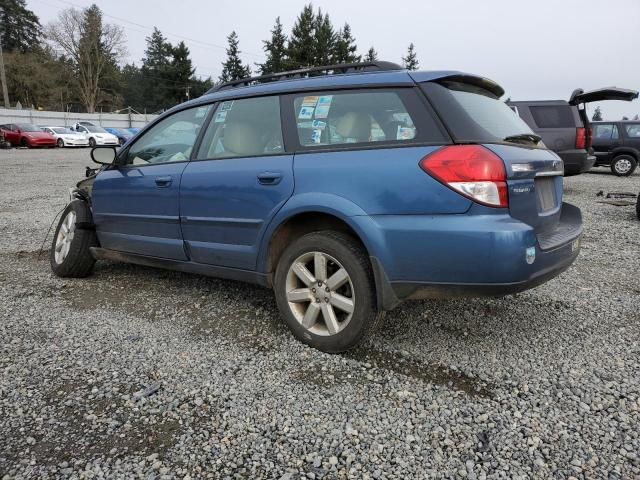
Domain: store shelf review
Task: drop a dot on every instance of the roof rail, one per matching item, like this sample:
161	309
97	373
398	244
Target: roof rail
310	72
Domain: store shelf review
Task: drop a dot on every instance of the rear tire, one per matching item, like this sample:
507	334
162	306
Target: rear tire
24	143
623	165
60	143
92	142
70	255
325	291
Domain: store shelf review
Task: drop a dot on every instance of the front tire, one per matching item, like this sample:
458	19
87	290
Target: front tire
325	291
623	165
92	142
70	255
24	143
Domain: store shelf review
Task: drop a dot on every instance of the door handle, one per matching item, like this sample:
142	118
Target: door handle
269	178
163	181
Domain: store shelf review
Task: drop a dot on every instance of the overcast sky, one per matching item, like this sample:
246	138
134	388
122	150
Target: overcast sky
535	49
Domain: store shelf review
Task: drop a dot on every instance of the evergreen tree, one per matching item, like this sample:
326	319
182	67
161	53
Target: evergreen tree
276	51
597	115
371	55
324	40
156	72
20	29
410	62
232	67
180	74
301	46
345	46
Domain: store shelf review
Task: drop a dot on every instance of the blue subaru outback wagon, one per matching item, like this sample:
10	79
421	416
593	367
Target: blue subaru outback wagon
346	189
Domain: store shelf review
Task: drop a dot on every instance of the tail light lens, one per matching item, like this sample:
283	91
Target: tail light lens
471	170
581	140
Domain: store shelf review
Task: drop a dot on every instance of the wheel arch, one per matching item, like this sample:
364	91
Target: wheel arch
625	151
326	212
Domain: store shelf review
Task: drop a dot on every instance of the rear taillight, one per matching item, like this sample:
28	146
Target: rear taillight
472	170
581	140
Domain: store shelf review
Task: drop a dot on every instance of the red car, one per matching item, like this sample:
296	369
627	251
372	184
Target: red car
26	135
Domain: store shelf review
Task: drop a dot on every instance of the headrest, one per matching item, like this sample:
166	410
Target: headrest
354	125
242	139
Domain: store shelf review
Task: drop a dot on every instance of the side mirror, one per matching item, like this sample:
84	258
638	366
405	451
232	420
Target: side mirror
103	155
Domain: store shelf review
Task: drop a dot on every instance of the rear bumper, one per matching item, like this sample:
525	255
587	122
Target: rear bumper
451	256
576	161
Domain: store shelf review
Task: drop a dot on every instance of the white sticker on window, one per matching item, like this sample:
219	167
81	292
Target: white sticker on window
316	135
226	106
306	113
322	111
220	117
405	133
318	124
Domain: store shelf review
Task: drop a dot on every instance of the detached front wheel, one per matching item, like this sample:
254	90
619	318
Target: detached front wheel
325	291
70	255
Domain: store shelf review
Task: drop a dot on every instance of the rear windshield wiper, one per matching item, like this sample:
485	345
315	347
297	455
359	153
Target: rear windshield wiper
523	137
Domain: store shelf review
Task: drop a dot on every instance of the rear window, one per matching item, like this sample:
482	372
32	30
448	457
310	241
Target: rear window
553	116
473	114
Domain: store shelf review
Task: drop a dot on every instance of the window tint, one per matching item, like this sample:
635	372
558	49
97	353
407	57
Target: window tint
474	114
633	130
605	132
170	140
243	128
335	118
553	116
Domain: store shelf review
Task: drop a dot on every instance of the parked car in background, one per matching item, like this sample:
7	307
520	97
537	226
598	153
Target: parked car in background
617	145
27	135
408	185
96	135
564	125
65	137
122	133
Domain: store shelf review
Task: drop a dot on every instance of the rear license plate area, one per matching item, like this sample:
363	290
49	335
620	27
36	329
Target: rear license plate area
546	193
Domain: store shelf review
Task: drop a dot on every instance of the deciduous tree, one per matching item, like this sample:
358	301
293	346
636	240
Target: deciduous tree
92	45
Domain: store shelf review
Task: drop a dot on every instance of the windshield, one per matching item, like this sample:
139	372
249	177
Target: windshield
94	129
121	131
61	130
475	115
26	127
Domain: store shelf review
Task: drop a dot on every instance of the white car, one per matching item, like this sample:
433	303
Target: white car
66	137
97	135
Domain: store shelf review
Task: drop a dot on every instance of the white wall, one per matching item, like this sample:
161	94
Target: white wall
44	118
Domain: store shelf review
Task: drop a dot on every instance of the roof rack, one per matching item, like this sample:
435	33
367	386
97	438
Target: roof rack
310	72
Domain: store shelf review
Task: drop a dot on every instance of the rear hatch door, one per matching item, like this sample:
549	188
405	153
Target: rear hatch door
474	113
608	93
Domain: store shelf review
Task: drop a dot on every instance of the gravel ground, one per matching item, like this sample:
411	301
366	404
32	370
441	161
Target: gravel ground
141	372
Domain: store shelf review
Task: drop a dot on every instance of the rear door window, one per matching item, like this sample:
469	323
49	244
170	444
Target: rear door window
553	116
605	132
633	130
347	118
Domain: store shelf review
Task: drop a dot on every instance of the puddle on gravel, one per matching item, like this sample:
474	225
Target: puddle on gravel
426	372
364	366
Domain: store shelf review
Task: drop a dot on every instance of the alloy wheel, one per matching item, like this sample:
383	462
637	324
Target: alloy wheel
320	293
65	237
